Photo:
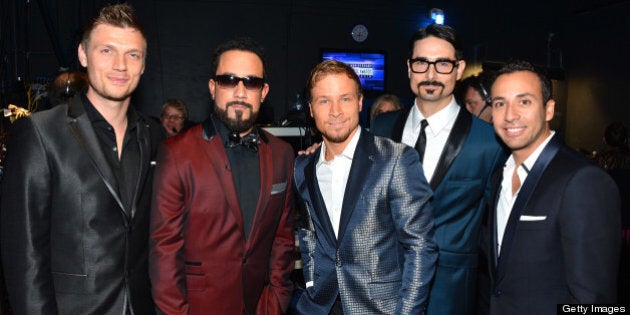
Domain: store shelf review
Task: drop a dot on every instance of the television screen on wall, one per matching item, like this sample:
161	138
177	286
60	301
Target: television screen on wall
369	66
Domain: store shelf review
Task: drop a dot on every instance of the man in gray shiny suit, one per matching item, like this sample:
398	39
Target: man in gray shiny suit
366	235
76	192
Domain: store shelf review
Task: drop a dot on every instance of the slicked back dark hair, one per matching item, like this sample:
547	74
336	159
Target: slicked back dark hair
521	65
444	32
243	44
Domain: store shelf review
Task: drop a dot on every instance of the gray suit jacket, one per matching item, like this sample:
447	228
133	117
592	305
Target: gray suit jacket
384	257
69	246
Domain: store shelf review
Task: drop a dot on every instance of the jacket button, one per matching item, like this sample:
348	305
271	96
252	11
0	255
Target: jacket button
244	260
497	293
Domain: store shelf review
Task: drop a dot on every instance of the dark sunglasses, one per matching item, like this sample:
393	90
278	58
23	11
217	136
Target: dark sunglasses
231	81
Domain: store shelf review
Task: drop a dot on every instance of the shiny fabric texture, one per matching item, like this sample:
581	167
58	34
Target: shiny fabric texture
384	258
68	245
200	261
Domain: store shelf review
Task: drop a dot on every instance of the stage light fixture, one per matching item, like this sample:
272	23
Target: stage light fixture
437	15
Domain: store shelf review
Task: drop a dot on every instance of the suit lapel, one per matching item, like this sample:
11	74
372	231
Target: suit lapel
495	192
361	165
454	144
319	206
212	145
524	195
144	145
82	129
266	183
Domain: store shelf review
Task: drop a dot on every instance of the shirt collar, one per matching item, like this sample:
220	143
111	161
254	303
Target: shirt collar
348	152
95	116
438	121
530	160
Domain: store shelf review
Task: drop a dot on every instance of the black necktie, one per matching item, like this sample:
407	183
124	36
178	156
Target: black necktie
421	143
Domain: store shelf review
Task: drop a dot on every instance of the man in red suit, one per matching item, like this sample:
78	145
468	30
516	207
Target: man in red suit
221	225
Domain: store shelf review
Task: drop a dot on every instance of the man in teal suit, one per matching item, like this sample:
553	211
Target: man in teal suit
459	151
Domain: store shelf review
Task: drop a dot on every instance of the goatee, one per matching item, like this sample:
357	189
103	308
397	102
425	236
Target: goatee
237	124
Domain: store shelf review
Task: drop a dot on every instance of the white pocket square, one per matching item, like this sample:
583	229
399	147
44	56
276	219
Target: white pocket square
278	188
309	284
533	217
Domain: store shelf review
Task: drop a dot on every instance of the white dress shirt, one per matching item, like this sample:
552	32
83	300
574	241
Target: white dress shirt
332	177
437	132
506	198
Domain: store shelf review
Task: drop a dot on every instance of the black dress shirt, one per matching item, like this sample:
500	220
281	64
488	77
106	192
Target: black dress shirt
245	167
127	168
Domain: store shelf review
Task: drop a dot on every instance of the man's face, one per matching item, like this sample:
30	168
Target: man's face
114	60
237	106
172	120
431	86
335	107
519	115
473	100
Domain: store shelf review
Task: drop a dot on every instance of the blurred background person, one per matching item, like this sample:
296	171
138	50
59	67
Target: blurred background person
473	94
66	85
616	155
174	117
615	159
383	104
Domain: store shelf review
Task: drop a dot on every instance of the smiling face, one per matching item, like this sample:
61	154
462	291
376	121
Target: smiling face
172	120
237	106
114	58
520	115
431	87
335	106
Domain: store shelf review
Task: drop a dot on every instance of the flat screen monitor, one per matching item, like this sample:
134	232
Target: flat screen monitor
369	66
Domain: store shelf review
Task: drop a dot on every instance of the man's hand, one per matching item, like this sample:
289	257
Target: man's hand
310	150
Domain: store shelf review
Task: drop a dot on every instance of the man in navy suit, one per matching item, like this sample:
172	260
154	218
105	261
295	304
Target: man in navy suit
461	153
553	235
366	234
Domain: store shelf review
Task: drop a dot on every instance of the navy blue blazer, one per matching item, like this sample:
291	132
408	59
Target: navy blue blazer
562	241
384	256
461	188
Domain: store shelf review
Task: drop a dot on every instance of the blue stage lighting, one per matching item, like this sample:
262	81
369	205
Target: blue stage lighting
437	15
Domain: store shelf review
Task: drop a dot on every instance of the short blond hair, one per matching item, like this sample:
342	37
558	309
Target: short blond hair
176	104
384	98
327	67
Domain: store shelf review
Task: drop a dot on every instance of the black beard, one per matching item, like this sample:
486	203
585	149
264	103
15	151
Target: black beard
237	124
